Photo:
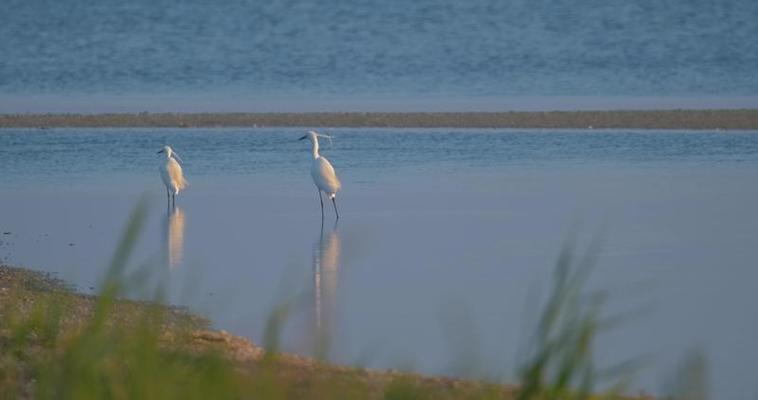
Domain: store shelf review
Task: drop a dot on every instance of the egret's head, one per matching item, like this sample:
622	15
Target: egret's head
169	152
311	135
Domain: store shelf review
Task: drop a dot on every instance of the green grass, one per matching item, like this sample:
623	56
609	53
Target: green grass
57	344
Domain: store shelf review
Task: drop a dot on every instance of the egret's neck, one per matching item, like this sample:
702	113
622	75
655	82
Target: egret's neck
315	149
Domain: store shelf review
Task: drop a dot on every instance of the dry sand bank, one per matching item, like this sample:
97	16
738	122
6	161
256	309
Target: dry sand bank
664	119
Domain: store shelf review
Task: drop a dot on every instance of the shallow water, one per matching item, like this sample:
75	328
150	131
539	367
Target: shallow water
445	236
354	55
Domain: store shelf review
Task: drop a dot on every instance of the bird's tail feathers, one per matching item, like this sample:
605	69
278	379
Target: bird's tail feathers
183	183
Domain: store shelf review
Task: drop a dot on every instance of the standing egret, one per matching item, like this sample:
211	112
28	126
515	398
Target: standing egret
323	173
172	175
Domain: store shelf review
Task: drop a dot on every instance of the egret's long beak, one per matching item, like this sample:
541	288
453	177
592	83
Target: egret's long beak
304	137
160	152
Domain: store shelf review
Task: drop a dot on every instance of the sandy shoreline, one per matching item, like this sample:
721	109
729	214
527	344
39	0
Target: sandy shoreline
22	291
25	292
738	119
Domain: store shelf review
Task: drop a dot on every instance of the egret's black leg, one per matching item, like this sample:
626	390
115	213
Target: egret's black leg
320	199
173	202
334	201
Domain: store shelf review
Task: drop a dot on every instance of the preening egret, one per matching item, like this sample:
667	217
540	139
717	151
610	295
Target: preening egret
172	175
323	173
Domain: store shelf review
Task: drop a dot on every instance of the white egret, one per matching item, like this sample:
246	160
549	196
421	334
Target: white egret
172	175
323	173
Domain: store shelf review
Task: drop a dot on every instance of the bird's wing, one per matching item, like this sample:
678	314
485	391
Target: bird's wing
176	175
324	176
165	177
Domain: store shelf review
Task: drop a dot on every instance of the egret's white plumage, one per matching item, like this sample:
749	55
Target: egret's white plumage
171	173
323	173
324	177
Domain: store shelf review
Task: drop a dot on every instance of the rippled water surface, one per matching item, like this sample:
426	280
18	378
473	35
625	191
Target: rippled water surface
197	55
445	236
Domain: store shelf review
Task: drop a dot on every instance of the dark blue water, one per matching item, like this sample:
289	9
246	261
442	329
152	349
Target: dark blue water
242	52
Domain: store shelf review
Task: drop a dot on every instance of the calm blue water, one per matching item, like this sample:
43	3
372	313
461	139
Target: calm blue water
29	154
163	55
446	239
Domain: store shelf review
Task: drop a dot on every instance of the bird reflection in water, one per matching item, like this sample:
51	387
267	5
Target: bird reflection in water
175	236
326	261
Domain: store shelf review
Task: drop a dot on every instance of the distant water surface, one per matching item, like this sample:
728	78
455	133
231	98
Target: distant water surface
446	237
347	55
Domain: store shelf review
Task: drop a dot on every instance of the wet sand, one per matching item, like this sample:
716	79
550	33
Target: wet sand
745	119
